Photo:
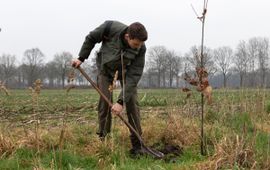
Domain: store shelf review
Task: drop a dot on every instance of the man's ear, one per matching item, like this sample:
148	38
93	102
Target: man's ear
126	36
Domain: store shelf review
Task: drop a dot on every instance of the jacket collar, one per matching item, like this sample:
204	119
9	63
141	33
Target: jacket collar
124	43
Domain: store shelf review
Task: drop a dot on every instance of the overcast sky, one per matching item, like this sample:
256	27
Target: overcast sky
55	26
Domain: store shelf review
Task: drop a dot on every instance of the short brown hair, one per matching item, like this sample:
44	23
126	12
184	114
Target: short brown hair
138	31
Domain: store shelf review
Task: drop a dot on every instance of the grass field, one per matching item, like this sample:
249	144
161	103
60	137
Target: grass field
56	130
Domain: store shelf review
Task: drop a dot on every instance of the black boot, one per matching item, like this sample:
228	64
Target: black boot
101	136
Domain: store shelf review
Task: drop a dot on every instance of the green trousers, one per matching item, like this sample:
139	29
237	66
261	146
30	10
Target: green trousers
105	116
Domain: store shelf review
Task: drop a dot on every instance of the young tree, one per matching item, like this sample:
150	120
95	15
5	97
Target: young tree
194	60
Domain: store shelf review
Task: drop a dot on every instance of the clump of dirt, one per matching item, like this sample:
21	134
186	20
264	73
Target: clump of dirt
170	151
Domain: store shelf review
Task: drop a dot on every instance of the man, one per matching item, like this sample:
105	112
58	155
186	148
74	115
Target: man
122	49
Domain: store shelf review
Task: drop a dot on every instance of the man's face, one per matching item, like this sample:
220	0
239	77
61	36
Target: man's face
134	43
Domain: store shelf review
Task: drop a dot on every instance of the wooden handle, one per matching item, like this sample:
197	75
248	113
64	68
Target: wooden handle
110	104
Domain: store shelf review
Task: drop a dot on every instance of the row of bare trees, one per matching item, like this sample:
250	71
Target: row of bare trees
33	67
245	66
250	61
162	67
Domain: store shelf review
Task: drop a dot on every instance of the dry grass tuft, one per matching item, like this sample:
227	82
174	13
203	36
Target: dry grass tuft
93	146
3	87
229	153
152	128
263	126
69	87
31	139
71	80
37	86
27	138
180	131
71	76
7	146
173	130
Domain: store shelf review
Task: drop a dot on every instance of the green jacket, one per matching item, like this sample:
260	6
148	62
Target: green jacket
109	57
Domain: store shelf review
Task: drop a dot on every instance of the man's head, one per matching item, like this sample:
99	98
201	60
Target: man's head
136	35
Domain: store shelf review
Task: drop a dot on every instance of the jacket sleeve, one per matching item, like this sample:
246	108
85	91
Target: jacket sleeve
95	36
133	75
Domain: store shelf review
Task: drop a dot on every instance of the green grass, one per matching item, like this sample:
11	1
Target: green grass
233	112
9	164
240	122
26	159
262	144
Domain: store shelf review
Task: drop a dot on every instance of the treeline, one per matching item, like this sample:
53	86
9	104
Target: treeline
246	65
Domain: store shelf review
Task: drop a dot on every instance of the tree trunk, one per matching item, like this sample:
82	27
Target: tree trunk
224	80
51	83
164	79
63	81
159	78
241	80
177	81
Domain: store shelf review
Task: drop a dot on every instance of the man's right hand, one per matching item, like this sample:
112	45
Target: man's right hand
117	108
76	63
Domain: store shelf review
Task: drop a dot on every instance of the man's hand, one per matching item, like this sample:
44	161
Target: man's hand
117	108
76	63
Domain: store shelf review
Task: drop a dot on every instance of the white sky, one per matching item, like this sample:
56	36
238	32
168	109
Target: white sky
55	26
